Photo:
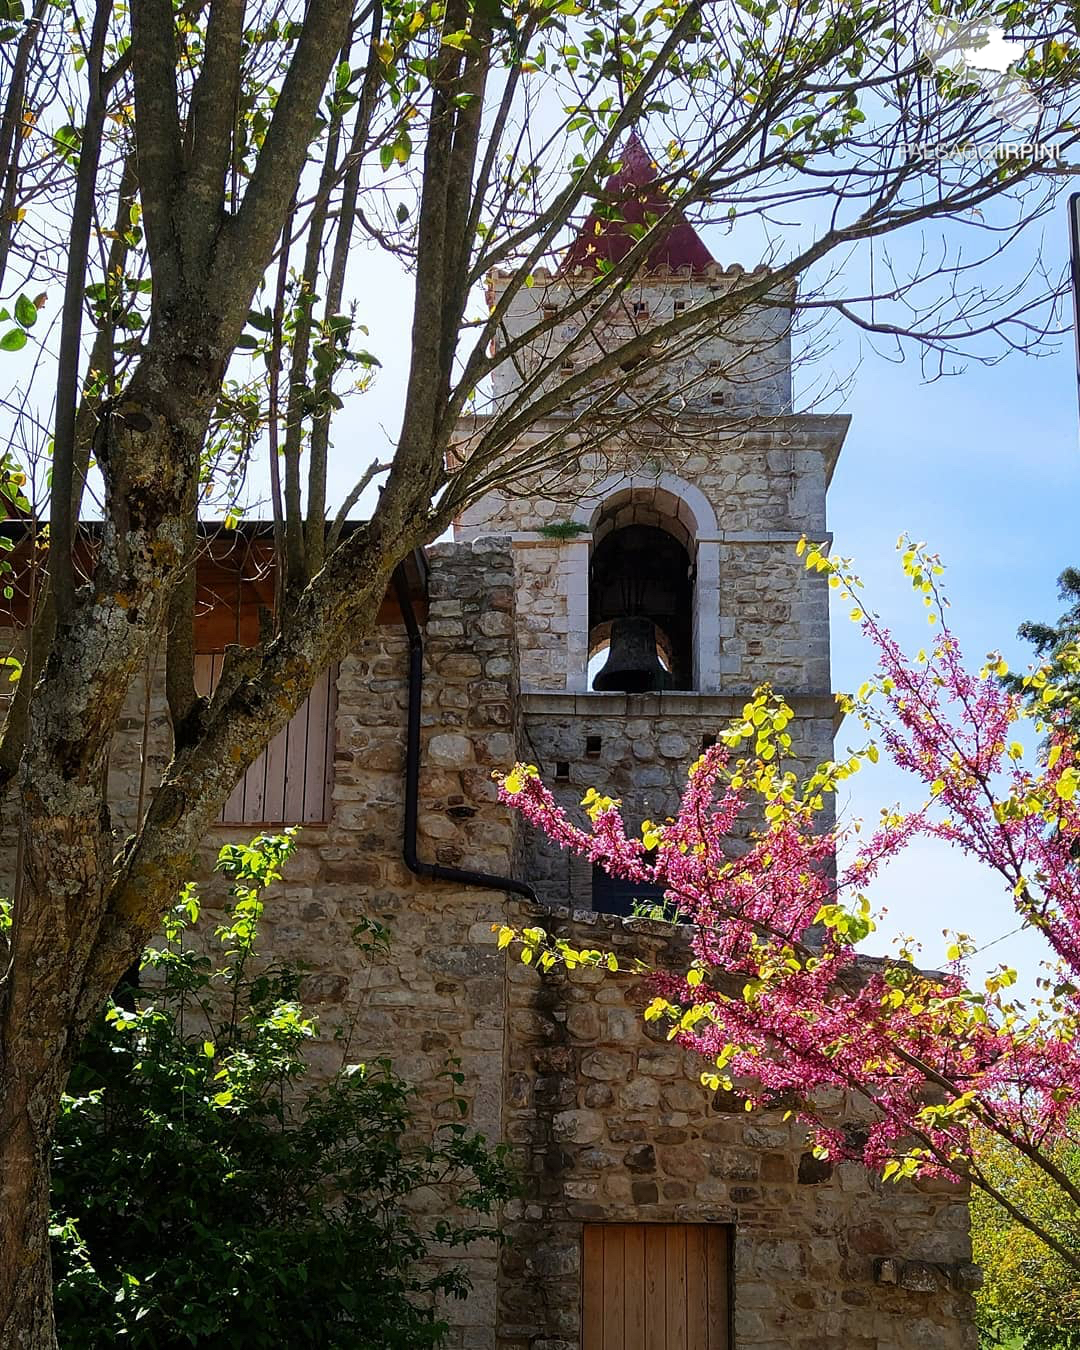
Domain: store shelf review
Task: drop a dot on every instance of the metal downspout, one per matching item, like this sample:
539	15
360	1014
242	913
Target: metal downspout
436	871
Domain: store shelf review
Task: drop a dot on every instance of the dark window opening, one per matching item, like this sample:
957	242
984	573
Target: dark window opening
592	746
641	610
614	895
708	741
562	771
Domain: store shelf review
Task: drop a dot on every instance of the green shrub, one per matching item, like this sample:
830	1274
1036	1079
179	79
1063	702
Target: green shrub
1030	1296
206	1194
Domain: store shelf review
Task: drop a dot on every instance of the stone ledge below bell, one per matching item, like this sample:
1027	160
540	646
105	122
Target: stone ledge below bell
670	704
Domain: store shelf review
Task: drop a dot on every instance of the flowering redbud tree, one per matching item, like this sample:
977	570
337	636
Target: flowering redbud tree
779	1000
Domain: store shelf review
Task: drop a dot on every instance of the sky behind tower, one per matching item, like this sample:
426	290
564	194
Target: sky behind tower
985	468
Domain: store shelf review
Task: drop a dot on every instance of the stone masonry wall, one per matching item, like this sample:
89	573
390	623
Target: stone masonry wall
744	360
647	743
543	613
607	1120
611	1124
776	616
440	995
759	615
767	478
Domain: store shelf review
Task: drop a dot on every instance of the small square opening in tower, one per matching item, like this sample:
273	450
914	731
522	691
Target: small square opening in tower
718	397
708	741
641	309
592	746
680	305
562	771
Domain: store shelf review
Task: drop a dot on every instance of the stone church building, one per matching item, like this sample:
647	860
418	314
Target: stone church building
655	1215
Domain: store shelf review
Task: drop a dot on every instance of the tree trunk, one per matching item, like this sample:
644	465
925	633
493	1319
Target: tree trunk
65	873
30	1104
70	940
149	448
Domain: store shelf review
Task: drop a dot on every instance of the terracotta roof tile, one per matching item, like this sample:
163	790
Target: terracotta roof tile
635	191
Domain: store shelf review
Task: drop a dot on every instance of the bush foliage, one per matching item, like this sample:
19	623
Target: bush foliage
1030	1296
207	1193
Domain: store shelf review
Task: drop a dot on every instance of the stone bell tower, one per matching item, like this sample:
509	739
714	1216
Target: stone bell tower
667	549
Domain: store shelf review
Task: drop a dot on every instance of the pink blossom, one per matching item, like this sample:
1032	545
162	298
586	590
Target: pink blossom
790	1007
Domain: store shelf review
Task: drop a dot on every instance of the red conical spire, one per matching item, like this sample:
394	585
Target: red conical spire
635	192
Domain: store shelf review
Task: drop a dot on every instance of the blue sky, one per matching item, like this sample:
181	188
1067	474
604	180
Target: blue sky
984	467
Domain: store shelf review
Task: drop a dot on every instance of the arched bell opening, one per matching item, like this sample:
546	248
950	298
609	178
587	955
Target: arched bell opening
641	604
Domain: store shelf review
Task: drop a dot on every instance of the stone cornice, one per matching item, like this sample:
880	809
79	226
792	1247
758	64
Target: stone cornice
823	432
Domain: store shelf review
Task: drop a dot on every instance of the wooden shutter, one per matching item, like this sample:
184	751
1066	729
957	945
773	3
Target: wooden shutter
291	781
655	1286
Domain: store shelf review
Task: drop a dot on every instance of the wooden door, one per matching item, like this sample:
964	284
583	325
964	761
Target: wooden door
655	1286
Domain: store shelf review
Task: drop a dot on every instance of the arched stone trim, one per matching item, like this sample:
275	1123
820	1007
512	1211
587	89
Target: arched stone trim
691	506
680	501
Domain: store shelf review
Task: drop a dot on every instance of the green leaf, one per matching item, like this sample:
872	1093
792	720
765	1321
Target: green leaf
13	341
402	147
25	311
68	139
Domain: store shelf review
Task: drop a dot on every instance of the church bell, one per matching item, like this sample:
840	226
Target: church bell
632	666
